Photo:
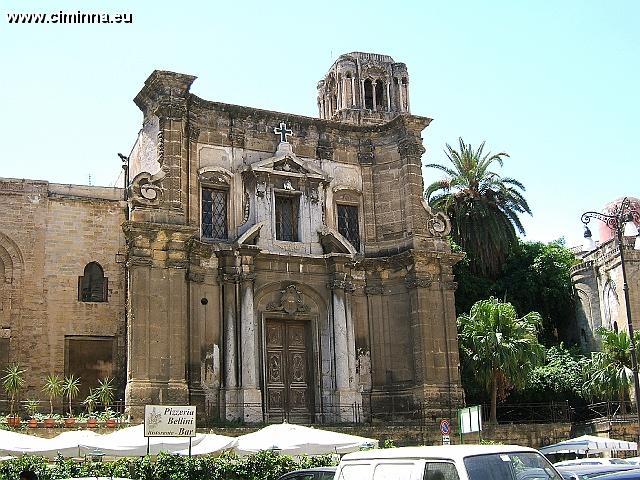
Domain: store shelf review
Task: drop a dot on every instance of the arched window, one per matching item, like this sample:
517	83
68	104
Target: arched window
368	94
92	286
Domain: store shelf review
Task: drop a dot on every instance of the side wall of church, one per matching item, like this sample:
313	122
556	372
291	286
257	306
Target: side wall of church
48	233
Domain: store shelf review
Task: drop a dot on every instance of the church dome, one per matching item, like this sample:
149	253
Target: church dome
604	232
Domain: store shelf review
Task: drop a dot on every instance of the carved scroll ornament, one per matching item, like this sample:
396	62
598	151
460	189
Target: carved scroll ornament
146	189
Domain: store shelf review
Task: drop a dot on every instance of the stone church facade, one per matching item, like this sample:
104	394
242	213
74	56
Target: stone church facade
281	266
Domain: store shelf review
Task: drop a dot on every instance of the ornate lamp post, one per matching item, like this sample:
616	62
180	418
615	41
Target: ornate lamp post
621	223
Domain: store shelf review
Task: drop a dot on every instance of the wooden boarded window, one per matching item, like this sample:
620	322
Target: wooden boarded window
348	225
93	285
89	358
287	218
214	213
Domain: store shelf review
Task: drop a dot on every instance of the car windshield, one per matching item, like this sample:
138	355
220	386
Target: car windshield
510	466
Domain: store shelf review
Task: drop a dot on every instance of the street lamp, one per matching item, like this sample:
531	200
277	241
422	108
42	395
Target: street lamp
621	223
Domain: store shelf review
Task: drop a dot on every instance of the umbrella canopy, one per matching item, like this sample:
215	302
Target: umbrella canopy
589	444
300	440
211	443
131	441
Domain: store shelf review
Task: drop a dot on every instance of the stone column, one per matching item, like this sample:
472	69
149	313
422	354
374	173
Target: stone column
407	95
353	92
374	87
158	341
433	333
388	96
250	394
400	94
230	354
363	104
346	394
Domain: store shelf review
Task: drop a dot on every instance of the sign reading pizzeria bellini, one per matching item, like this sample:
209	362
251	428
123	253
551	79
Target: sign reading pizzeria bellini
169	421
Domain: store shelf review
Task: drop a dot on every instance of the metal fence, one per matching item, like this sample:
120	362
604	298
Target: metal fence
389	411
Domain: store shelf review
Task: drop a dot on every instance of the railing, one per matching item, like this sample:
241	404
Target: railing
609	411
393	411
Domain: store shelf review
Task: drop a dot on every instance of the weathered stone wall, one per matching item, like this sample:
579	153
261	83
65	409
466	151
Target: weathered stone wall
48	233
599	292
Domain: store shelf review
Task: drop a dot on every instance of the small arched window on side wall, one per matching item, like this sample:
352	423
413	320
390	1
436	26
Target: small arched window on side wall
92	286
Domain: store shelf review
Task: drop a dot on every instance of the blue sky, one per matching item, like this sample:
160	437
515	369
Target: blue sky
554	84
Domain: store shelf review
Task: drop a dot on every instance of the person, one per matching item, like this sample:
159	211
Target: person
28	475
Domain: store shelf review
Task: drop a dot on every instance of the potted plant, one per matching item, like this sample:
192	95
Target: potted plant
12	382
32	407
70	389
106	392
53	388
90	403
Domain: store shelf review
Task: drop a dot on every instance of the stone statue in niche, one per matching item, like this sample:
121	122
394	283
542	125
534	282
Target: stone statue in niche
287	185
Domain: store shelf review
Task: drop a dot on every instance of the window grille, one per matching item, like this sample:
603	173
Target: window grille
287	218
214	213
93	285
348	225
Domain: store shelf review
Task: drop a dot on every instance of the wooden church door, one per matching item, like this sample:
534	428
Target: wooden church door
289	386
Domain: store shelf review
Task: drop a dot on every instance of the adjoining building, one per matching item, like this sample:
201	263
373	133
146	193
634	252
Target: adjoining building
598	285
277	266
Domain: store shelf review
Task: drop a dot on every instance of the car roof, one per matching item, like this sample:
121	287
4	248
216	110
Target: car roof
582	469
314	469
453	452
624	475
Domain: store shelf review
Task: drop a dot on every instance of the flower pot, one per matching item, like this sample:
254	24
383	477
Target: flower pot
92	423
32	423
13	421
69	422
49	422
111	423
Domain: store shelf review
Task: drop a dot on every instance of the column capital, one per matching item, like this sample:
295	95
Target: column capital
411	280
229	278
246	277
341	281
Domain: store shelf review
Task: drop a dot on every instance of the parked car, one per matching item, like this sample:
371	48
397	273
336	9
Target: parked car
592	461
586	472
452	462
317	473
626	475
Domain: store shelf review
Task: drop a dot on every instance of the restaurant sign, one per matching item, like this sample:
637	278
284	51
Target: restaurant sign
169	421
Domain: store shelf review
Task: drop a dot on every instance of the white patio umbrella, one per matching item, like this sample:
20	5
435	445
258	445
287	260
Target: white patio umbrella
211	443
14	443
66	444
300	440
588	444
130	441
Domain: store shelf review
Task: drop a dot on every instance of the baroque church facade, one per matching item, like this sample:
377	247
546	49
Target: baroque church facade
261	265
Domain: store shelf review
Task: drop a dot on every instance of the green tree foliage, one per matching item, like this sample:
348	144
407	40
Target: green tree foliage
482	205
535	277
561	377
498	346
610	371
264	465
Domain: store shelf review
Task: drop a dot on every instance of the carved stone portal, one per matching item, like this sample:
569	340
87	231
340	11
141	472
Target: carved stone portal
290	302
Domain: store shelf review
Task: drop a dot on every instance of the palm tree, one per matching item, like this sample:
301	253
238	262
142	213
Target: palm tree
70	389
53	388
499	346
611	374
482	205
12	382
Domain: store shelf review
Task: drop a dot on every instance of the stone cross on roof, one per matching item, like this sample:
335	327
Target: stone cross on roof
283	131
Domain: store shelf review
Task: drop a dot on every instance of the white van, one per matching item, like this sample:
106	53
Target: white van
451	462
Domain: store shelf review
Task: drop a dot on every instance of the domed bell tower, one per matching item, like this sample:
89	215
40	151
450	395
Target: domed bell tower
364	89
